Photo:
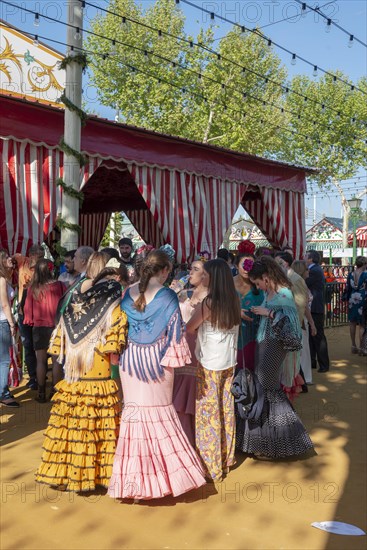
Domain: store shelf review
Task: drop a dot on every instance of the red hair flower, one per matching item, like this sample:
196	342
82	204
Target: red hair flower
246	247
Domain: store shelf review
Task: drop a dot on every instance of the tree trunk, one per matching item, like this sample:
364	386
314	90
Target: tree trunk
208	127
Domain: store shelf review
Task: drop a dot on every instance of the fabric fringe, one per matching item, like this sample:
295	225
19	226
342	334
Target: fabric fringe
79	358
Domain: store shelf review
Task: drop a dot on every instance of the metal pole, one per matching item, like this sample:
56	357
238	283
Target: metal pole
354	237
72	123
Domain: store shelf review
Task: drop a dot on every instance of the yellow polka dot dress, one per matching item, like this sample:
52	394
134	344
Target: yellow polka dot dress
80	439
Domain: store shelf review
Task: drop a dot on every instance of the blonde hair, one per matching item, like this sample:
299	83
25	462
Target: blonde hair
299	267
97	261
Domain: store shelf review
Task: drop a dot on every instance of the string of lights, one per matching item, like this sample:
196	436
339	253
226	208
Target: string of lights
304	12
191	43
241	114
330	22
198	74
270	42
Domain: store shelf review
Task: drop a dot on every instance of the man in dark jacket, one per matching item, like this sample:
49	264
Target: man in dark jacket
316	284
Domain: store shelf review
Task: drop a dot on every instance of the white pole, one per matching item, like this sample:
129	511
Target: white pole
112	229
314	208
72	123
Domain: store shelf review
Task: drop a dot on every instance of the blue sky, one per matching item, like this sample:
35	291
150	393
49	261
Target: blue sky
303	35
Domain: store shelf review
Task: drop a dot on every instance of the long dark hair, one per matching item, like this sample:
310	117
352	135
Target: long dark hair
4	270
41	276
269	267
155	262
222	299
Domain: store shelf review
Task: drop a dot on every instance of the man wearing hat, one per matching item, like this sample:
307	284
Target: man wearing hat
126	248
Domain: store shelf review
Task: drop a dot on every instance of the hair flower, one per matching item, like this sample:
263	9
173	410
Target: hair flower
246	247
248	264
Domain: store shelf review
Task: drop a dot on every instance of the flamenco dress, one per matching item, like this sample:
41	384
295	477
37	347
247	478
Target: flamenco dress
154	457
279	432
80	440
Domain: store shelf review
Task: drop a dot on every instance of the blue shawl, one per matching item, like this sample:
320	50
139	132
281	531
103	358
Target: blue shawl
156	328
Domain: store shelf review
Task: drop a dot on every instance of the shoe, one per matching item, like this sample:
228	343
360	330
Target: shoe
314	366
10	402
32	384
354	349
41	397
304	388
52	393
323	370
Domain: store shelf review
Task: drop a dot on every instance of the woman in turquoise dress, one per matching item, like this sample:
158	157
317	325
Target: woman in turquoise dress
356	295
278	432
250	296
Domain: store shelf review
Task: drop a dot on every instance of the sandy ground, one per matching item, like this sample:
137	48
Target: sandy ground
260	504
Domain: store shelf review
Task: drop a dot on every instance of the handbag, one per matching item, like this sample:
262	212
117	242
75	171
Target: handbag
283	331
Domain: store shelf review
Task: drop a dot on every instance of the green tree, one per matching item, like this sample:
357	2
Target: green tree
199	96
113	231
336	125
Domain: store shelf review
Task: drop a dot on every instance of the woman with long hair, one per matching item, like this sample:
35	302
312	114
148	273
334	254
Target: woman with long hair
184	387
153	458
355	294
40	308
249	296
278	433
217	320
80	440
300	267
7	327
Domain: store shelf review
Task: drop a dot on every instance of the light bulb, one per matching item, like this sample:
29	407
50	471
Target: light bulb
113	48
160	34
328	25
36	20
35	41
77	34
351	40
314	70
294	59
146	56
303	12
82	7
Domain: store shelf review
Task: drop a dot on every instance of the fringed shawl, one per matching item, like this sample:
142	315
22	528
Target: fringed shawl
83	325
151	333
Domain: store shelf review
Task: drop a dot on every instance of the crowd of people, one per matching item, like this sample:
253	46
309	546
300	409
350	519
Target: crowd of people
152	383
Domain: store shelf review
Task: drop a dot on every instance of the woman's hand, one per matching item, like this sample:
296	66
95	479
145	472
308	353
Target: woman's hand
263	311
246	317
12	330
313	329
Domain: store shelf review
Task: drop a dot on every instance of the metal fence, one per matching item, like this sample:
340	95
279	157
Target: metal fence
336	311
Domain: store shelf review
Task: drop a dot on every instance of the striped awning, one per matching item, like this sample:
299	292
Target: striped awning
361	234
174	190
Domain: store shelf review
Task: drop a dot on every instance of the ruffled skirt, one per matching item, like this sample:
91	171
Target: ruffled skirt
80	440
153	457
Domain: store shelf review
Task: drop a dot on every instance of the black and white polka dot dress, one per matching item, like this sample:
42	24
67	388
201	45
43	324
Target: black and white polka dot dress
279	432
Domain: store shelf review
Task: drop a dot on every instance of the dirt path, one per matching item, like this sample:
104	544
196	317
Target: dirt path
260	504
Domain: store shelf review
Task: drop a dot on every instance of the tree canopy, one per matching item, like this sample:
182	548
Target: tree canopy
238	97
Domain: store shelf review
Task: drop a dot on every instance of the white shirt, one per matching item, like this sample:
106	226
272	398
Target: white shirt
216	349
10	292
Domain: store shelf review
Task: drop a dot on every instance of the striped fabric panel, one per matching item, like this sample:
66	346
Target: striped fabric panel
93	228
145	225
192	212
280	216
29	196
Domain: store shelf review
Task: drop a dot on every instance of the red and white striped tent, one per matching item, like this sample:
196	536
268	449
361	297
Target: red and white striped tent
361	234
173	190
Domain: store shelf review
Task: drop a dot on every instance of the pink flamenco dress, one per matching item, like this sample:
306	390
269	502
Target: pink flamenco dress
184	387
154	457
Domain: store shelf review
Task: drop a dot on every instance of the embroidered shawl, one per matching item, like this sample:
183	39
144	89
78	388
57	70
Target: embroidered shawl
84	323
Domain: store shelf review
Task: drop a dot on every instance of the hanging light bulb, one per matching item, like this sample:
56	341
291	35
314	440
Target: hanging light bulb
243	29
328	25
269	42
35	40
212	15
351	40
146	56
303	12
314	70
294	59
82	7
77	34
160	33
113	48
36	21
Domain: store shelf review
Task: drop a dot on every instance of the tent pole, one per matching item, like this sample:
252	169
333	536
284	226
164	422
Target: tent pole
72	123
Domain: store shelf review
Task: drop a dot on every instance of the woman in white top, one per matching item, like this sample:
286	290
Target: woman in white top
217	320
7	328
